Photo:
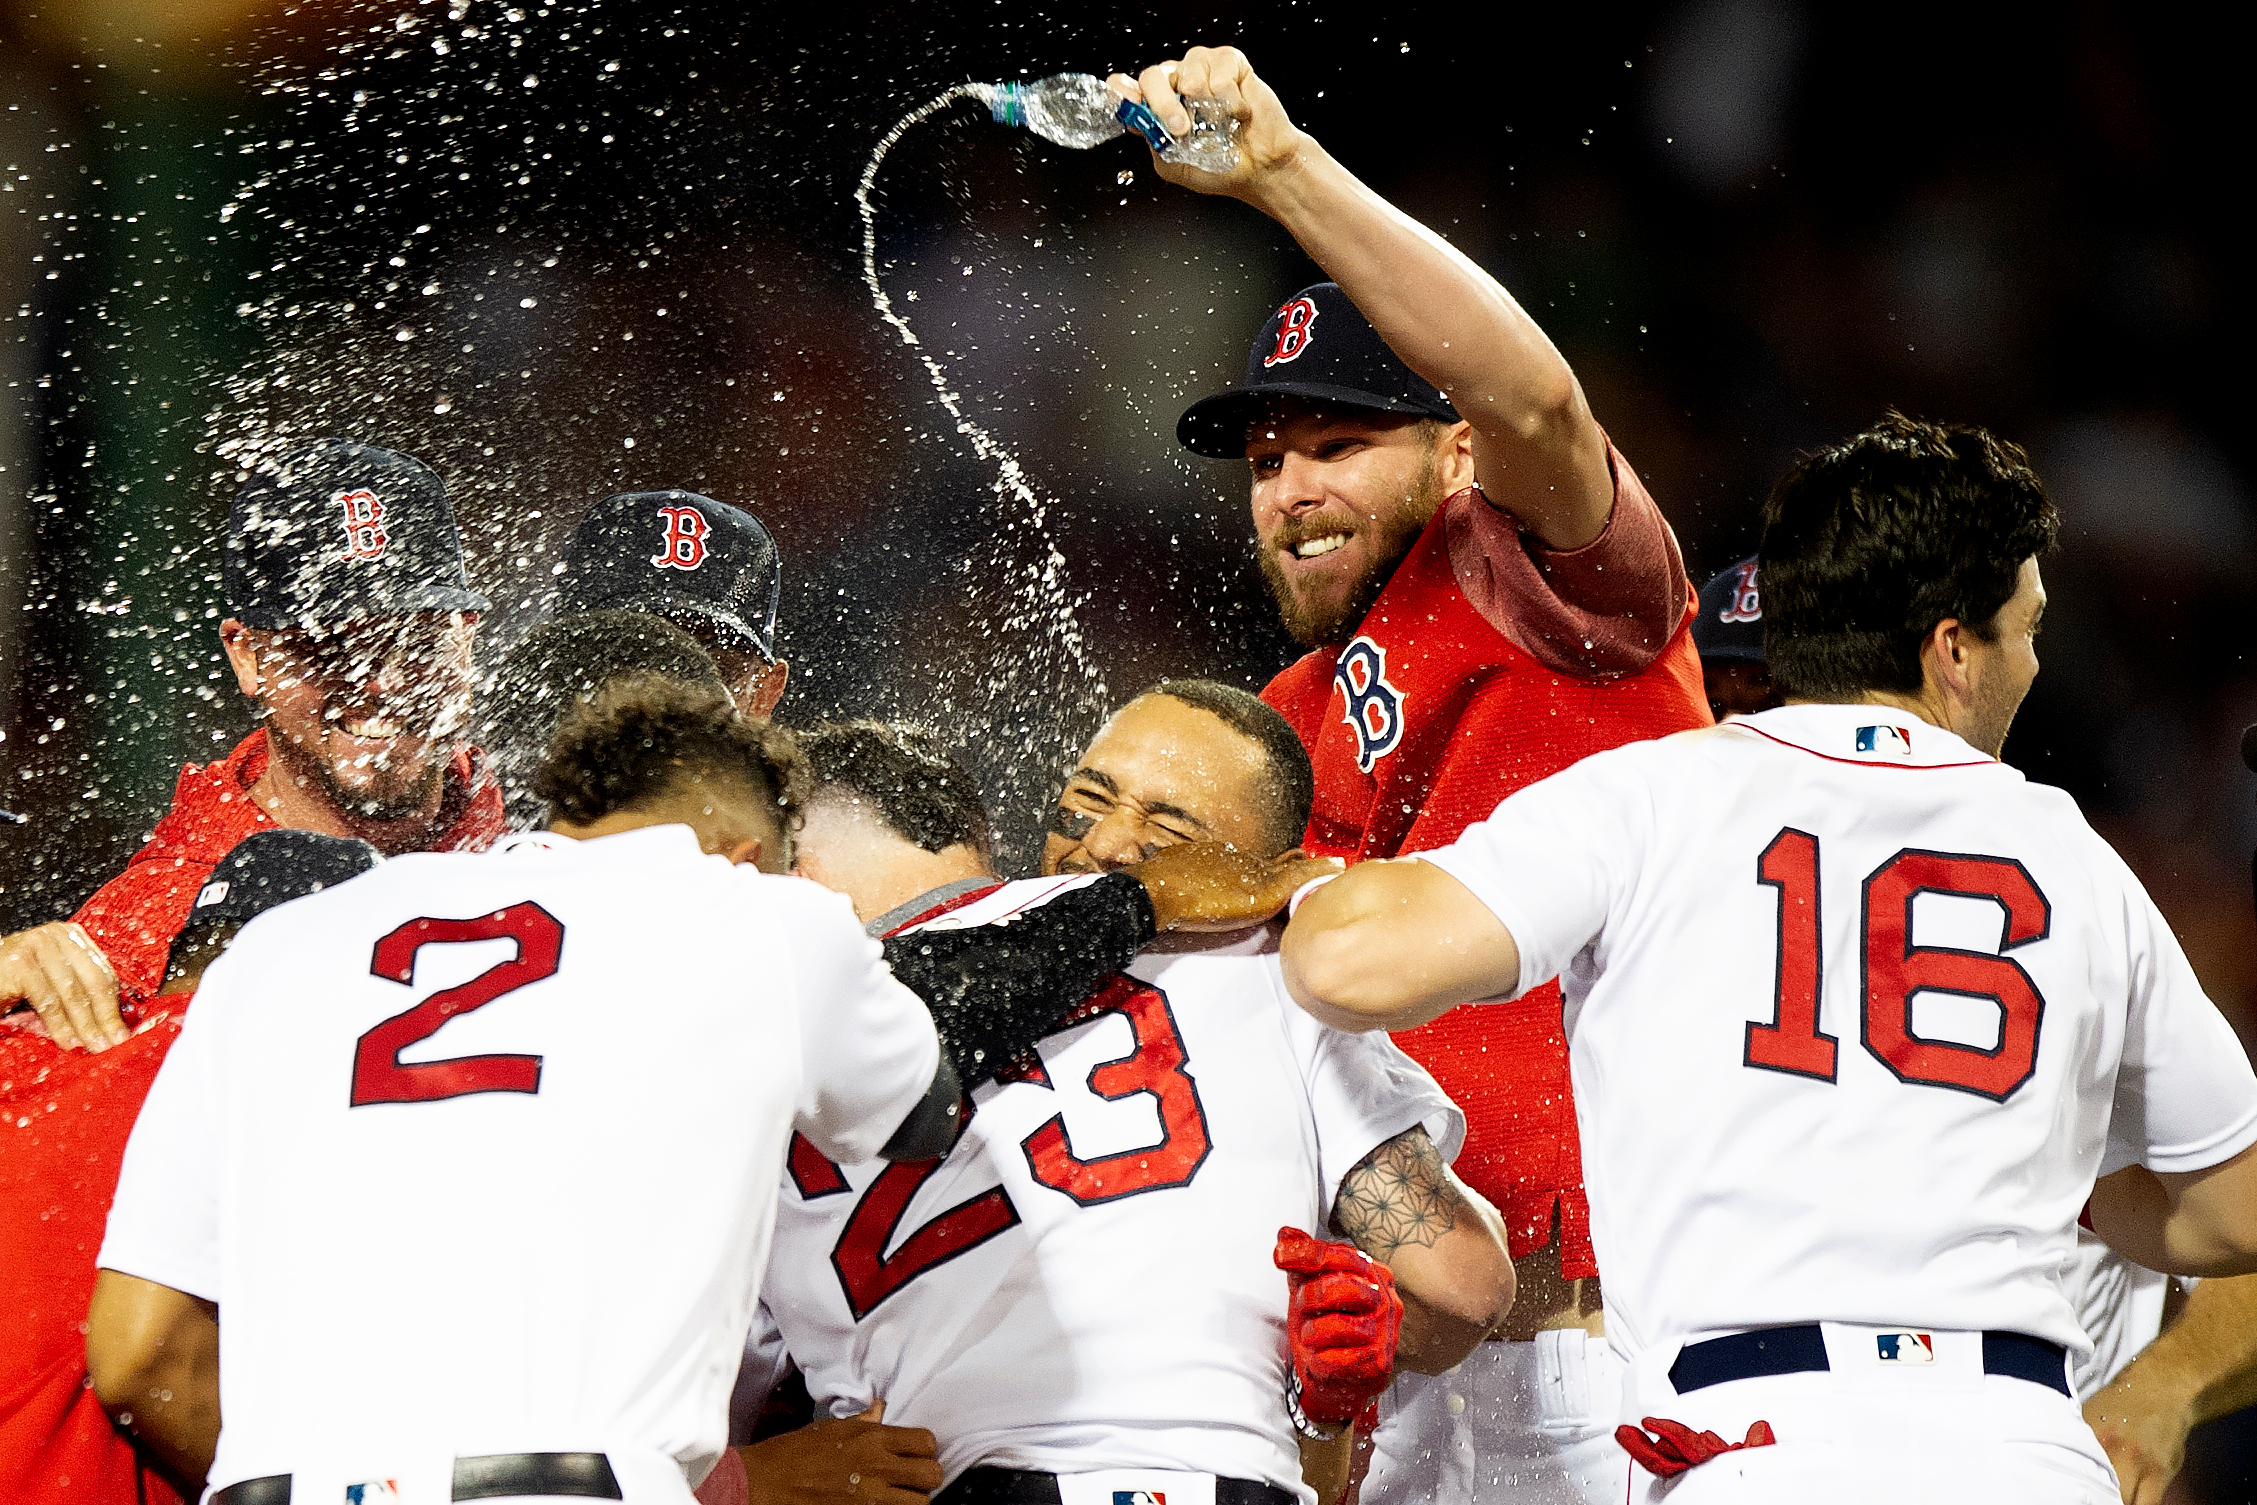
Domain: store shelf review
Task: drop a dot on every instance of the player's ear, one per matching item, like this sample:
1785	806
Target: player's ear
241	647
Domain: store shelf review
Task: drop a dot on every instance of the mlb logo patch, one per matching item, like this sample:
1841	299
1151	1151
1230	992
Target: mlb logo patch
1905	1348
373	1492
1895	741
1139	1497
211	893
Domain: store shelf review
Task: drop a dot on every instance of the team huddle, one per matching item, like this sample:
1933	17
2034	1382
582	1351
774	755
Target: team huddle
556	1079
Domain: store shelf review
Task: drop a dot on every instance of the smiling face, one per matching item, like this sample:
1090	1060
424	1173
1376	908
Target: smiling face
1159	774
370	713
1340	495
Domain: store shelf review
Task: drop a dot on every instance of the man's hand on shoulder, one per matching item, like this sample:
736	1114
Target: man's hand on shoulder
837	1458
63	975
1213	886
1268	141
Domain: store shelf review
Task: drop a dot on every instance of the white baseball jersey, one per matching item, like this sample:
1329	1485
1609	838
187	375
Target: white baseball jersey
1085	1282
478	1153
1855	1016
2120	1307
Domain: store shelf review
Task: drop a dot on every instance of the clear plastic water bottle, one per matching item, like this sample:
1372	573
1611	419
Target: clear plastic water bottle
1078	110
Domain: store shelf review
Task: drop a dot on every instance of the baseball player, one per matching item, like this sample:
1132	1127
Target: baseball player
349	626
1083	1299
67	1114
509	1244
1488	594
2209	1367
1857	1015
1728	632
709	568
897	825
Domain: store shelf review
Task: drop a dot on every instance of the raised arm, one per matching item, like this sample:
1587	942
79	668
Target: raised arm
1389	945
1445	1244
1537	450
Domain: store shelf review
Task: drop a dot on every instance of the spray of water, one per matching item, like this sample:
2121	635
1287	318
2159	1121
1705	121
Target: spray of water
1041	616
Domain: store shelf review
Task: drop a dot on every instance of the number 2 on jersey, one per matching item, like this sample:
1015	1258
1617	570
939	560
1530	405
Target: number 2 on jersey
379	1076
1894	969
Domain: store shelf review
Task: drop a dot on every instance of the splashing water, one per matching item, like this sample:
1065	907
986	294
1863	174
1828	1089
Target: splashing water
1039	628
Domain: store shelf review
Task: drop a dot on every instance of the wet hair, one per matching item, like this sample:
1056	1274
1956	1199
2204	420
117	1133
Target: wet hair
905	774
561	663
642	737
1289	784
1867	545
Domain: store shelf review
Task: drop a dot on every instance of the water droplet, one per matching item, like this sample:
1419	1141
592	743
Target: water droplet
629	443
527	302
1124	179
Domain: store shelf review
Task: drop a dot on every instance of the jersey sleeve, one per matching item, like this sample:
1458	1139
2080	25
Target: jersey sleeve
1555	858
1600	611
164	1221
997	987
134	917
1363	1091
2186	1098
867	1044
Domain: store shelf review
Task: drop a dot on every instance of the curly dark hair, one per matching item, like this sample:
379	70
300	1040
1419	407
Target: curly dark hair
642	736
1868	544
905	773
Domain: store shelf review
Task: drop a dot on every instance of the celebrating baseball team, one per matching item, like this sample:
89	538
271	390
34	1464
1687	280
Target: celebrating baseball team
1571	1038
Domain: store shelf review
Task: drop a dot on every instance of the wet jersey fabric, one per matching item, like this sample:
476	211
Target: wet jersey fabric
135	915
1485	665
64	1118
478	1153
1085	1282
1857	1014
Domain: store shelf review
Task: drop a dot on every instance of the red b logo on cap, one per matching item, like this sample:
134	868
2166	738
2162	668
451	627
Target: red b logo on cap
1293	332
684	545
364	524
1746	604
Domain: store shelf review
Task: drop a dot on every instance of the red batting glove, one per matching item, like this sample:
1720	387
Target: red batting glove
1675	1447
1342	1323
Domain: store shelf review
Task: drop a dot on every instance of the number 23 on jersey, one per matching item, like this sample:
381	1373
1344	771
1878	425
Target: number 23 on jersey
1895	969
1154	1067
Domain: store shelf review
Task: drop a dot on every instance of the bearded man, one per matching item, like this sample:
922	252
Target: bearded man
349	627
1489	595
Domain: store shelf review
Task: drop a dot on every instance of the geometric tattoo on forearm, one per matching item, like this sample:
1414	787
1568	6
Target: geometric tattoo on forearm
1398	1194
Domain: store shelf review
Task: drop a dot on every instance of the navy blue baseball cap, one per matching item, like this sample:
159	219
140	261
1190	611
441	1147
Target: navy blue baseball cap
334	531
267	868
1730	621
1318	346
676	554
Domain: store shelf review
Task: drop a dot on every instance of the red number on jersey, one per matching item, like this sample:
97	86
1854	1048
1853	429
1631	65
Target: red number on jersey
867	1275
378	1075
1896	969
1793	1042
1155	1067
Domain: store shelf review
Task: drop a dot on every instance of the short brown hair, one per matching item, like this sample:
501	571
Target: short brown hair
642	736
905	773
1289	783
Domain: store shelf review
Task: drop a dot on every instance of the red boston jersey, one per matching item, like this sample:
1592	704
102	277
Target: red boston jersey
1475	674
135	915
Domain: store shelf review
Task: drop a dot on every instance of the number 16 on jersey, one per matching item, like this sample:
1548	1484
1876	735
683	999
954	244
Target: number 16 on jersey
1894	969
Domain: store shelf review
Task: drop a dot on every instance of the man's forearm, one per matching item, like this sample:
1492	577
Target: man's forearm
1456	326
2208	1358
996	989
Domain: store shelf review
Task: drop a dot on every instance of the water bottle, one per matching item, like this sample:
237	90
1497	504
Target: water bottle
1078	110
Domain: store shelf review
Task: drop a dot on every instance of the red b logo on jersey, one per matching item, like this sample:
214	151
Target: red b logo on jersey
684	545
364	524
1745	605
1293	335
1375	707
